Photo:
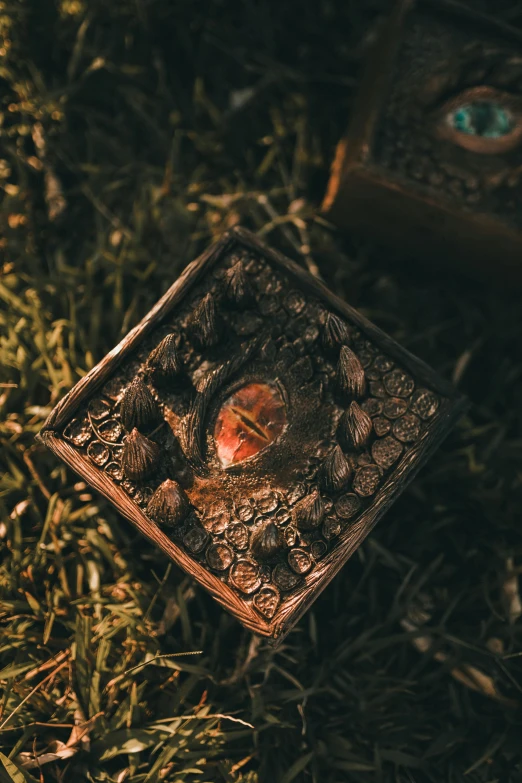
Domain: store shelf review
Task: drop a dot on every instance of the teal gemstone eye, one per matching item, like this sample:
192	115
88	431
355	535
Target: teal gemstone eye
482	118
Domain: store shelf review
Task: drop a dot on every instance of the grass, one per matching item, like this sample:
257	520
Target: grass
132	133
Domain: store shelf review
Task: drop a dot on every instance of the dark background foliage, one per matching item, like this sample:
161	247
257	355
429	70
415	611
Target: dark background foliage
132	133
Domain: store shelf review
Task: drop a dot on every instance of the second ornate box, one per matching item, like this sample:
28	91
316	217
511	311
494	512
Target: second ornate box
432	159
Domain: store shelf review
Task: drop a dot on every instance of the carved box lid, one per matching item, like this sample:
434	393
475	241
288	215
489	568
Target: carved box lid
254	427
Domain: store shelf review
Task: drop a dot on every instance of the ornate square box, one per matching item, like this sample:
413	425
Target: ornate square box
254	427
432	159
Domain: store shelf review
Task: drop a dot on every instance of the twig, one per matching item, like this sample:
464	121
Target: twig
31	693
34	473
146	663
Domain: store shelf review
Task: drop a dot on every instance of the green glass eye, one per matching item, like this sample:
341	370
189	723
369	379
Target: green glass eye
482	120
486	119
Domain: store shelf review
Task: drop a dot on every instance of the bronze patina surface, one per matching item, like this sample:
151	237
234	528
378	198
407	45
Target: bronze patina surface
254	427
432	159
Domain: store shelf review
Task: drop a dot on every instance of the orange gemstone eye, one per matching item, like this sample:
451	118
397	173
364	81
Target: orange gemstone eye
249	421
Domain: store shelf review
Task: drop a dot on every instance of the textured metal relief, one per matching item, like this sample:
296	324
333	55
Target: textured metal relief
452	120
254	427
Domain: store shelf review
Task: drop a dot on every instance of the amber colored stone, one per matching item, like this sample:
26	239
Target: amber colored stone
249	420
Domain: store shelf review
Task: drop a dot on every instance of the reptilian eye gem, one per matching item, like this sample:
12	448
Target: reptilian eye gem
482	119
249	421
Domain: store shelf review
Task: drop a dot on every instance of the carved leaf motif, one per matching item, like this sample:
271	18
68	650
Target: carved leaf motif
237	290
140	456
267	541
355	427
169	505
205	323
335	333
164	362
335	472
138	407
309	511
351	380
